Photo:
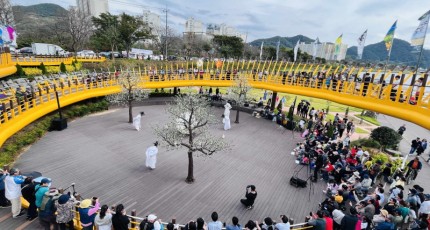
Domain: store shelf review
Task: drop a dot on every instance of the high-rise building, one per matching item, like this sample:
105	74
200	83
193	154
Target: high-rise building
6	14
193	26
324	50
223	29
92	7
153	21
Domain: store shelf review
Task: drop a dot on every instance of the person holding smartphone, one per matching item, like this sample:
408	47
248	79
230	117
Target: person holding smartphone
250	195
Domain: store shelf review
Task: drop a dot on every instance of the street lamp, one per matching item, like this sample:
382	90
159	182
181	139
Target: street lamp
61	122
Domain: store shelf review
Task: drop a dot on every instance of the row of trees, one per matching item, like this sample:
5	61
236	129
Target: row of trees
75	31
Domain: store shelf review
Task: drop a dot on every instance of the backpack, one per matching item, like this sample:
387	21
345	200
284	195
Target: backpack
47	208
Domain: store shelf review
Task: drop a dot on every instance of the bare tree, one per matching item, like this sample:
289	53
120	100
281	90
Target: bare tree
237	92
131	90
80	28
159	40
190	117
6	13
59	32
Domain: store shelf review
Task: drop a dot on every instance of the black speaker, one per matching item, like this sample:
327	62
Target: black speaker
290	125
297	182
59	124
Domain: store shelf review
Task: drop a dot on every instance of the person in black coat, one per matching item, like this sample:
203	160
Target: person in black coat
250	197
319	163
28	192
120	221
349	221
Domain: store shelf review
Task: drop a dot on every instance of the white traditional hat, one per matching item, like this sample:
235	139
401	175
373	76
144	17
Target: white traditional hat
152	217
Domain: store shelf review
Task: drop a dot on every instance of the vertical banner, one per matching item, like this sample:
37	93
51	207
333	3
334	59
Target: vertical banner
261	49
361	41
277	49
390	37
338	43
417	40
296	49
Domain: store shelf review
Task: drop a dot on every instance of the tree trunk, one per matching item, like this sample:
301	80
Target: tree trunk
130	112
190	177
237	115
111	53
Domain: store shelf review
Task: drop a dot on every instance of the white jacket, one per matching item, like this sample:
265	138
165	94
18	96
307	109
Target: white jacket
13	186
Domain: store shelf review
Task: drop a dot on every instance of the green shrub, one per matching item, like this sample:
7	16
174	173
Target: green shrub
365	142
19	70
386	136
43	68
160	94
63	67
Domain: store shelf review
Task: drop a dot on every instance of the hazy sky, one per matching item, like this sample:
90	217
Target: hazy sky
326	19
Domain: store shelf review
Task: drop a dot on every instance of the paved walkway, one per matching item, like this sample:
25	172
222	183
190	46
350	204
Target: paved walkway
104	156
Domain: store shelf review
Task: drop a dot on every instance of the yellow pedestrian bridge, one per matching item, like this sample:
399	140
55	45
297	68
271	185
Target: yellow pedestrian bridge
411	103
8	62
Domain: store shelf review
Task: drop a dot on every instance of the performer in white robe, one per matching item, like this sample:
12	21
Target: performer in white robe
226	119
151	156
136	121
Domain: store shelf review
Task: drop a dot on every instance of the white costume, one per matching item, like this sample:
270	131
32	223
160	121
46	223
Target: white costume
151	156
136	122
226	119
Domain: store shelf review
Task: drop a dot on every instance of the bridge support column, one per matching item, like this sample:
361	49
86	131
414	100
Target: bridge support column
272	105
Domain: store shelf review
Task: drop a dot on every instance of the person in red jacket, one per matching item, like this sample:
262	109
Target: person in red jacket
328	221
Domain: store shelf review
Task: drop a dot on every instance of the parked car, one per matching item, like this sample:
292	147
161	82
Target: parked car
26	50
105	54
108	54
86	53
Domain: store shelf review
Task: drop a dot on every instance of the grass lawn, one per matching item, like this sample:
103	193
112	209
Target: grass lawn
370	120
329	117
361	131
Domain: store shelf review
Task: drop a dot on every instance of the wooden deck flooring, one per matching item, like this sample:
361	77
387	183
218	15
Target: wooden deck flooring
105	157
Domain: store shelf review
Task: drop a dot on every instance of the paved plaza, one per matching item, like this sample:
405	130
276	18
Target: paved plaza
105	157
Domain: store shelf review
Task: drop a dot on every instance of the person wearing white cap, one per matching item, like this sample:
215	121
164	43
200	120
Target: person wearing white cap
156	222
151	156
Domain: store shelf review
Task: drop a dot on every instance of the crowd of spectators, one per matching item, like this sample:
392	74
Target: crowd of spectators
361	193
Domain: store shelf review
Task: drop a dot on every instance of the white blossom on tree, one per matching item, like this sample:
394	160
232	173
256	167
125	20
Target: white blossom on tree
189	120
237	92
131	91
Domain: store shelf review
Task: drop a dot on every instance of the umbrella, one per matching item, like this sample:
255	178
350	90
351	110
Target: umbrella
3	96
33	174
306	101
